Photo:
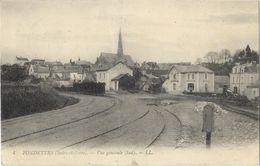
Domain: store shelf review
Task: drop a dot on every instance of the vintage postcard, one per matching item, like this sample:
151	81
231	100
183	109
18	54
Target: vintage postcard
130	82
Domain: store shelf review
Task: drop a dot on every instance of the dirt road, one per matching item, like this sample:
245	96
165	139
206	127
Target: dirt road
130	121
123	120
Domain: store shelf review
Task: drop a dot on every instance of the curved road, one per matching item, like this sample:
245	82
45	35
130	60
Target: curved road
94	122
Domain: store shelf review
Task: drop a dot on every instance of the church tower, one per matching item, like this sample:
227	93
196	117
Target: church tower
120	52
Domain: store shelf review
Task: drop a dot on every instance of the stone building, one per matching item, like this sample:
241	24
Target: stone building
244	79
193	78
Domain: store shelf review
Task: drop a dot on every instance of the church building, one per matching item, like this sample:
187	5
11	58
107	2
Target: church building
115	69
113	58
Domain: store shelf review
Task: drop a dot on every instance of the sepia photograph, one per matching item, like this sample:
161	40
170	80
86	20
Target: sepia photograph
130	83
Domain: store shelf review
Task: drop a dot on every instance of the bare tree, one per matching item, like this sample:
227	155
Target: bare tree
198	61
211	57
224	56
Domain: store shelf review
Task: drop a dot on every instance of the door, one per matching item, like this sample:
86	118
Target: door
174	86
235	89
206	87
190	87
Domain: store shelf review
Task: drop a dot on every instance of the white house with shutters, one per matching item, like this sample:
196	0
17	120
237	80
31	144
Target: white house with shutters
191	78
106	74
244	79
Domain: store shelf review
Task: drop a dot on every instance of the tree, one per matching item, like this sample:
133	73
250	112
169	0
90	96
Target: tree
246	56
13	73
225	56
137	73
198	61
211	57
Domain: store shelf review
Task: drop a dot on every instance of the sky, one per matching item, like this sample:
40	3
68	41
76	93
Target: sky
152	30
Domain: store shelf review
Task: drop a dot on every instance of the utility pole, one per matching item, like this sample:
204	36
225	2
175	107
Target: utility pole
258	106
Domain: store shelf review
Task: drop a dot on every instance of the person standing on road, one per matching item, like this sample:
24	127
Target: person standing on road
208	122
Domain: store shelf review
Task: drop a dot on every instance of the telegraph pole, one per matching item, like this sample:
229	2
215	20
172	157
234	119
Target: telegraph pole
259	56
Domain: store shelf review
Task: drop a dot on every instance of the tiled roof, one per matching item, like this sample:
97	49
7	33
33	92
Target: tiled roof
67	69
58	69
105	58
73	69
83	62
33	60
22	59
252	69
56	63
191	68
108	66
41	69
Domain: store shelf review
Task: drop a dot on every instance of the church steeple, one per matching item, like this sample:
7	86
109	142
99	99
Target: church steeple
120	52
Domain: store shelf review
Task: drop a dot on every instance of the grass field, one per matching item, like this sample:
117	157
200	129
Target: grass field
18	100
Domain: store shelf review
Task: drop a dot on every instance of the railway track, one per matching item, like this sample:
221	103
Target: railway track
106	132
157	138
160	133
64	124
252	115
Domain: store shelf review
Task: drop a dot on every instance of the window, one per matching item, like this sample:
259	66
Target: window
237	80
252	80
206	76
174	86
188	76
104	75
254	92
174	76
233	79
192	76
100	75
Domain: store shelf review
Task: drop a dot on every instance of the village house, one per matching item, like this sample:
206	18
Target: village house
109	75
37	61
191	78
244	79
66	75
21	61
86	65
68	72
55	63
39	71
57	72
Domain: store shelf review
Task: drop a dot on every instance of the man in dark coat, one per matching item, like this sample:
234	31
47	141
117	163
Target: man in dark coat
208	122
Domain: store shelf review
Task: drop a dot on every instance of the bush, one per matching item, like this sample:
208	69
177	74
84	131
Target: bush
25	100
13	73
89	87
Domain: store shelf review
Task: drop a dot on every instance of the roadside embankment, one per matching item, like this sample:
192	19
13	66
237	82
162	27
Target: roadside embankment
18	100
